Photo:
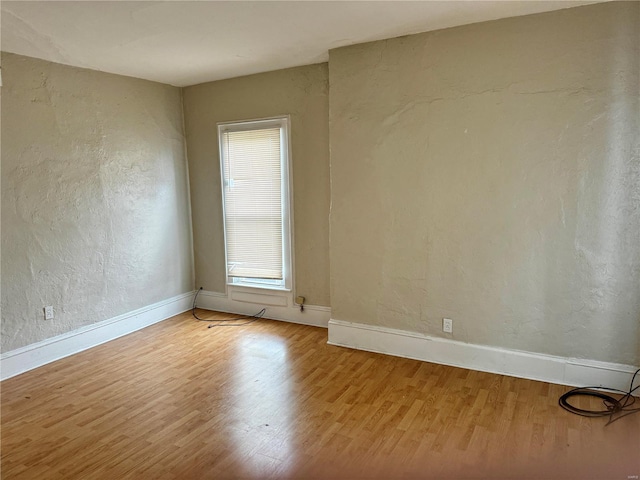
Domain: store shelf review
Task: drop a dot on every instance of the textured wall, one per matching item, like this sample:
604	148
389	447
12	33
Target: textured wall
95	217
491	173
300	92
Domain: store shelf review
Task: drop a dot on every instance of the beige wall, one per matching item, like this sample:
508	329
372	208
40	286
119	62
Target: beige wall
300	92
95	218
491	174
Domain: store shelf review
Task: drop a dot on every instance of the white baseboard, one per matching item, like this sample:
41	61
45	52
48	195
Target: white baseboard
278	305
534	366
37	354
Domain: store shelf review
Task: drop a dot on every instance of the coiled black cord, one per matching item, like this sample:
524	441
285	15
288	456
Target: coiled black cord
251	318
617	408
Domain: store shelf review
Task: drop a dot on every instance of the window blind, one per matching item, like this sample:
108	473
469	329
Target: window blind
253	202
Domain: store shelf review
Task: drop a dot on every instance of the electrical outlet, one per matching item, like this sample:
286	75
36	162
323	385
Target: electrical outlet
48	312
447	325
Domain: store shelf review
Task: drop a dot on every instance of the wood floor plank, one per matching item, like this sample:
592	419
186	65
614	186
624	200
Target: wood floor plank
178	400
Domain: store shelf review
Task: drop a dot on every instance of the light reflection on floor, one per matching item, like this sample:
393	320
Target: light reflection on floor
262	427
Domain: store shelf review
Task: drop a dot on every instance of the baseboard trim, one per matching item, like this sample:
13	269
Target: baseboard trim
278	305
533	366
37	354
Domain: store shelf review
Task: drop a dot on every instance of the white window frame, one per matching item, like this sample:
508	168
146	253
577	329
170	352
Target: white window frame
282	122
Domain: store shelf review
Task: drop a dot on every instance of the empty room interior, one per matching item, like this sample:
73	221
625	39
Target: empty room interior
320	240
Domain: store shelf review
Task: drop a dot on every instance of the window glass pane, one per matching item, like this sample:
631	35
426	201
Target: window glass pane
253	201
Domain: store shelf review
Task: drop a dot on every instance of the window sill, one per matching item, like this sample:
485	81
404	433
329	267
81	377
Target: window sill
254	286
259	295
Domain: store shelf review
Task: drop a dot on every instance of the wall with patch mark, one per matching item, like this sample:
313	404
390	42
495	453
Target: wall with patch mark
490	173
95	212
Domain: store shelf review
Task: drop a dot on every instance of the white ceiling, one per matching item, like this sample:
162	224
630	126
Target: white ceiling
188	42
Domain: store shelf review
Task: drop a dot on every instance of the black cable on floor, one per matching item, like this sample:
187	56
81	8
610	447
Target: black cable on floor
613	407
251	318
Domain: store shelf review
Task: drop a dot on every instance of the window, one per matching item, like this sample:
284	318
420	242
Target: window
254	160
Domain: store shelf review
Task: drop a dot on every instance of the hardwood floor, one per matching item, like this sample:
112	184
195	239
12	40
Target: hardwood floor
272	400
